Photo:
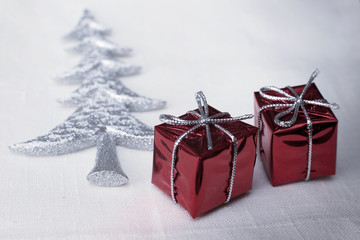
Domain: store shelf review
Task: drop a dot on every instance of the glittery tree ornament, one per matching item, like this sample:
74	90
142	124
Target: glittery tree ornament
103	116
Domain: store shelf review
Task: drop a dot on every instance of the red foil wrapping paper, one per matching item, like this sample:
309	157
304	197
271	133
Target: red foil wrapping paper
284	150
202	176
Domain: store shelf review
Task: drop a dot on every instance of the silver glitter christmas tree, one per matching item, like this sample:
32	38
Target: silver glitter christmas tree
103	117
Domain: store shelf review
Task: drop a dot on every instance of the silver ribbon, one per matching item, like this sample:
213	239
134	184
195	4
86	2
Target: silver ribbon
204	120
296	102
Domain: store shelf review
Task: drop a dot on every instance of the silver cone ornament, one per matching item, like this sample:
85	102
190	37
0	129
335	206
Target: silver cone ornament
107	171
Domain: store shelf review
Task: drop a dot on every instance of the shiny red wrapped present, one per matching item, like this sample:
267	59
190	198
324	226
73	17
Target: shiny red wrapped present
297	133
203	158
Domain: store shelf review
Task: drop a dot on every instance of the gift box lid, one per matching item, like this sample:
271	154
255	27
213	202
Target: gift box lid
317	114
196	141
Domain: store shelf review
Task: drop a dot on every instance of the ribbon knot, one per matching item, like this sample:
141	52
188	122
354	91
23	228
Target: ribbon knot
295	103
203	120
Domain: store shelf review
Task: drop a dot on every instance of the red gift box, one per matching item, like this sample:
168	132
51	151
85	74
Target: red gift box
285	150
201	176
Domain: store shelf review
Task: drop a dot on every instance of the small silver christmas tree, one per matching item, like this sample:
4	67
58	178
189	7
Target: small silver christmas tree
103	116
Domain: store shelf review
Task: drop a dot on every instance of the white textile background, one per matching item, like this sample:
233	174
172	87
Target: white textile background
228	49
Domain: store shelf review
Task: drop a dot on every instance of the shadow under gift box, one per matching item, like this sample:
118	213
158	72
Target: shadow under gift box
202	176
284	150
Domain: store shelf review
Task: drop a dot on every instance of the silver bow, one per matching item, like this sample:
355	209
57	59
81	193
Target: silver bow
203	120
296	102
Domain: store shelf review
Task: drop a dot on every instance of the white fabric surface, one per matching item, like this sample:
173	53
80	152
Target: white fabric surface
228	49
